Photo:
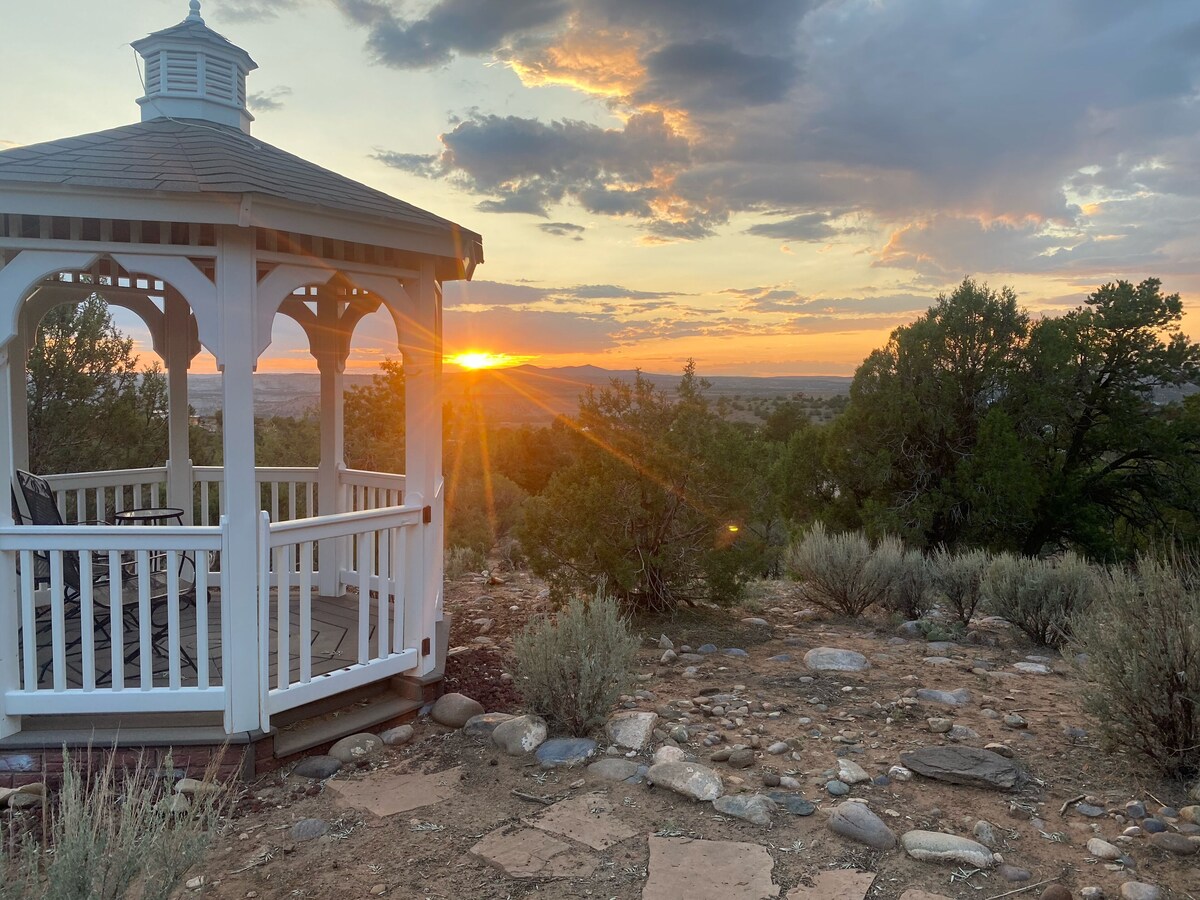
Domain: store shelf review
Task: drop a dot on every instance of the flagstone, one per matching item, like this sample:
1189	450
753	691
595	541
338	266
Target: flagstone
588	820
708	870
386	794
835	884
532	853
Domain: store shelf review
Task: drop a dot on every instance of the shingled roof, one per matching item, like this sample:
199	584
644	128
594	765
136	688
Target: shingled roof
201	157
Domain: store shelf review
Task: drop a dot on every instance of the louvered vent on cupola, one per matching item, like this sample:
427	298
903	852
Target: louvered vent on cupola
191	72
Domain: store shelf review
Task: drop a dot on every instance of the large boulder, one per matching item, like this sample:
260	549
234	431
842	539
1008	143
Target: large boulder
453	710
632	729
521	735
356	748
964	765
831	659
689	779
856	821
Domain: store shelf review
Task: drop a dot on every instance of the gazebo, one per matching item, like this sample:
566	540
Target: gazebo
271	595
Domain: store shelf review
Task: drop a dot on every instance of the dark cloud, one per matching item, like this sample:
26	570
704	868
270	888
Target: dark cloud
255	10
563	229
270	100
713	75
807	227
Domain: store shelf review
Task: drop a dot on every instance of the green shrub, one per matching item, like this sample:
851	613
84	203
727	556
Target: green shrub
907	590
461	561
959	578
1039	596
112	832
1142	640
572	668
843	572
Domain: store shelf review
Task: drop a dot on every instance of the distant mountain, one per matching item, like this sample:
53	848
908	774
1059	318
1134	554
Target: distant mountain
518	395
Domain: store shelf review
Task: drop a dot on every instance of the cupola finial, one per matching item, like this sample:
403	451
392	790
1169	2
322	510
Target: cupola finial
194	15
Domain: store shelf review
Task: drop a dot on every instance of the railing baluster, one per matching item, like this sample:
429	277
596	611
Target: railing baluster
81	514
309	509
28	622
364	598
381	563
145	623
154	494
283	639
174	679
201	618
274	501
116	619
87	621
399	536
58	623
306	587
291	485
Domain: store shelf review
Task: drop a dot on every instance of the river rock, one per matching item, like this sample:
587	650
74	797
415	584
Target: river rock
309	829
1032	668
564	753
793	803
524	734
939	725
317	767
1102	849
613	768
1139	890
851	772
453	710
398	736
1174	843
689	779
934	846
669	754
960	697
754	808
964	765
831	659
356	748
482	725
857	822
632	729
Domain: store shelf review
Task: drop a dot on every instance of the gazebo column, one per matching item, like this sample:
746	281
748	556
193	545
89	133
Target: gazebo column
10	663
423	466
236	287
18	358
331	350
179	463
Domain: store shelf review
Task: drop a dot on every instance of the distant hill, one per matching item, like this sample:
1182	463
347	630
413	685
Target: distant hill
517	395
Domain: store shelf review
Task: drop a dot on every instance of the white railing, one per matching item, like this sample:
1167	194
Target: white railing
81	589
370	490
287	493
386	568
96	496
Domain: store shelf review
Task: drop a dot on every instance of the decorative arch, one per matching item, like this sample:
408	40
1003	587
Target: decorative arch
20	278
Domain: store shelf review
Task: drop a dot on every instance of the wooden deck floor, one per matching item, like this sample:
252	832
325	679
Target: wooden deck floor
334	643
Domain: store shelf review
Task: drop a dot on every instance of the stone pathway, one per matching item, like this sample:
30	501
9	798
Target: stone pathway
386	793
685	869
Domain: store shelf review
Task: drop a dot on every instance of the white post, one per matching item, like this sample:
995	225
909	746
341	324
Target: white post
179	463
236	285
18	357
330	350
10	663
423	464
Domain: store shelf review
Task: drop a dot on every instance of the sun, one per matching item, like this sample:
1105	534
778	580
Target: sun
482	359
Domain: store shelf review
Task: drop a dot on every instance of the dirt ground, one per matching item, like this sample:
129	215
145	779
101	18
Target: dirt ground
424	853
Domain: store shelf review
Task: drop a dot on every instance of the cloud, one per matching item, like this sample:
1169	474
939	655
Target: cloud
563	229
255	10
270	100
978	135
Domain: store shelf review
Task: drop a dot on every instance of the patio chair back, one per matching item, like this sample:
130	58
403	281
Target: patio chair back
39	500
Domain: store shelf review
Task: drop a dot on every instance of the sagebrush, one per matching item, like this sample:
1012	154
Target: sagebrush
959	578
114	834
1141	638
908	589
843	573
1041	597
573	667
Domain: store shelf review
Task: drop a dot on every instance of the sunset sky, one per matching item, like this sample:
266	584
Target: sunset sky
769	186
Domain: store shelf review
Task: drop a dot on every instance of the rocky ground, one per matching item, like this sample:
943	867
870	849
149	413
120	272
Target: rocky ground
765	752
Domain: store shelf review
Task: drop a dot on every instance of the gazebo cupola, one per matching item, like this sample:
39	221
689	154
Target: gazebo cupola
191	72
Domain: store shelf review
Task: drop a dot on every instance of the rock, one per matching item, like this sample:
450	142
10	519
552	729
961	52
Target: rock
1056	892
793	803
669	657
1190	814
1091	892
1153	826
779	747
1013	874
309	829
690	869
851	772
188	786
175	803
959	733
1000	749
689	779
909	629
899	773
482	725
831	659
356	748
453	710
837	788
706	649
1174	843
934	846
632	729
1029	668
532	853
1139	890
964	765
680	734
398	736
856	822
736	653
780	658
741	759
770	779
564	753
1087	809
1014	720
961	697
669	754
755	620
613	769
939	725
985	833
665	643
754	808
524	734
317	767
21	800
1102	849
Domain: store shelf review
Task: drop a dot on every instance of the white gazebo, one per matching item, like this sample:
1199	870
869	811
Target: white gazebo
281	588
